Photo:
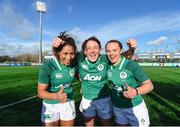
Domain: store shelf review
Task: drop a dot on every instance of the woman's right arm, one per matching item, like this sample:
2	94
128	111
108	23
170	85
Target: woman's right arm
44	94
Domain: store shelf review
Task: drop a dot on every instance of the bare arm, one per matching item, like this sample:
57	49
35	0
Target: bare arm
44	94
145	88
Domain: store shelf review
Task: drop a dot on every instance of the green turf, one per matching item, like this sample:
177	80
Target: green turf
17	83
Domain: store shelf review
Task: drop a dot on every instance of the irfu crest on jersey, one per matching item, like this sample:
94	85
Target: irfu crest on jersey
72	72
123	75
100	67
58	75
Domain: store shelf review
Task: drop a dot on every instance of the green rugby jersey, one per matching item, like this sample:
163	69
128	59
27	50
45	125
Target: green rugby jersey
125	72
57	75
94	77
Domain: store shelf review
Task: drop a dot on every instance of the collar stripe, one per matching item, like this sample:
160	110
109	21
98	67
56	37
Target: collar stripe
87	60
57	63
120	67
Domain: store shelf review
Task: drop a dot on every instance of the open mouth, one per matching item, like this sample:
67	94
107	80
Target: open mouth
92	56
112	58
67	62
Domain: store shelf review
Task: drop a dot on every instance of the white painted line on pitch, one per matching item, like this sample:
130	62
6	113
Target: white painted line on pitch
5	106
29	98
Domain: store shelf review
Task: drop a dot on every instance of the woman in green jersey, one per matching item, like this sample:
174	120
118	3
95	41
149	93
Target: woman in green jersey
55	85
92	69
128	82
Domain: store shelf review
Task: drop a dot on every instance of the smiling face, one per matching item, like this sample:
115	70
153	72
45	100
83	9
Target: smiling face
92	50
113	52
66	55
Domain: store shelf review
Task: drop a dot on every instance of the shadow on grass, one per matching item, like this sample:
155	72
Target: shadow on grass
164	118
169	91
23	114
164	104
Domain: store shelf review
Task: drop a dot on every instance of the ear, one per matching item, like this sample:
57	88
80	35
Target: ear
58	53
122	50
85	52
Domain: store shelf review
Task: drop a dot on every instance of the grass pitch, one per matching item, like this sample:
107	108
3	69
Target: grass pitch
18	83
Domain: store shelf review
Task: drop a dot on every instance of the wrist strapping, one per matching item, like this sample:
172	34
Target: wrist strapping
136	91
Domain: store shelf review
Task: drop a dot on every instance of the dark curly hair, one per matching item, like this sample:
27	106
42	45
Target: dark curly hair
67	40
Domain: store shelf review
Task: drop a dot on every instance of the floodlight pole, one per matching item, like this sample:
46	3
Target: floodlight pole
41	8
40	37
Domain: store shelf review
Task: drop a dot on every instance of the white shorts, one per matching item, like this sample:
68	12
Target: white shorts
103	107
61	111
136	116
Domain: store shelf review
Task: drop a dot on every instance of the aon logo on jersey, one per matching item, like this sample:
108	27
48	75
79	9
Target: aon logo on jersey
92	78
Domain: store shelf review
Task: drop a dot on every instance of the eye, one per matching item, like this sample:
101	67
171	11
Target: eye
72	53
88	48
65	53
96	47
114	50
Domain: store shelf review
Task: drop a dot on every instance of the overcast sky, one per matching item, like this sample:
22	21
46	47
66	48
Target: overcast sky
155	24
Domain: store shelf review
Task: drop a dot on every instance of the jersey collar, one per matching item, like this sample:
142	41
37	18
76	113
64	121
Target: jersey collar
121	62
57	63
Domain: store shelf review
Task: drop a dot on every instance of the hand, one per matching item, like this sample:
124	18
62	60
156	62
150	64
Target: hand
132	43
62	97
57	42
130	93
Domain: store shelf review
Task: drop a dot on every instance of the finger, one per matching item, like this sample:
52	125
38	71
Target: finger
127	87
60	41
126	95
64	100
64	95
131	40
57	41
54	44
61	90
132	43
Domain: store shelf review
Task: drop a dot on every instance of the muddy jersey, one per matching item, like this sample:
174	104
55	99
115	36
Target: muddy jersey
93	77
57	75
125	72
